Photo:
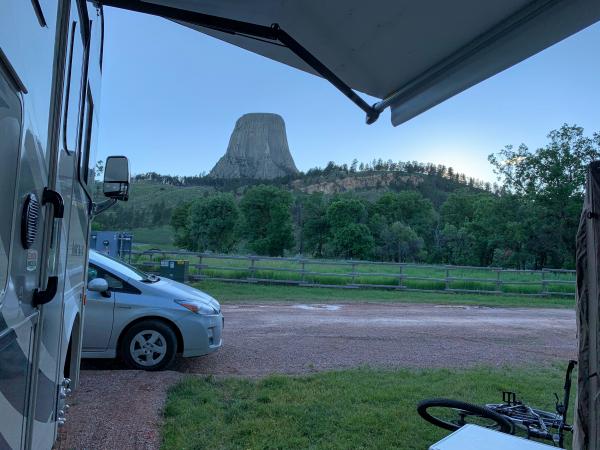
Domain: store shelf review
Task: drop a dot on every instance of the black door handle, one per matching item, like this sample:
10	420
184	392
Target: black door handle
58	205
43	297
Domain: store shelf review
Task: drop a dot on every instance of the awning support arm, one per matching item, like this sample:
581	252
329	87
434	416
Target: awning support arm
273	33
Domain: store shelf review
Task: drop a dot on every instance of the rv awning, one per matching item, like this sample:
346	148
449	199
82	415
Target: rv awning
411	54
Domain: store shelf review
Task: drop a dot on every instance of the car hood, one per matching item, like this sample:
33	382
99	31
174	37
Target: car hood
180	291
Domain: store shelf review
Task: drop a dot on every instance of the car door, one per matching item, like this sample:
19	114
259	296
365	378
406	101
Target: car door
99	311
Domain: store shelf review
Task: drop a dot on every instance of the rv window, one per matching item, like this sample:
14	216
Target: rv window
10	131
73	89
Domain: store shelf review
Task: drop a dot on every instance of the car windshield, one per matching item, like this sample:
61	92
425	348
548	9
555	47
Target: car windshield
127	270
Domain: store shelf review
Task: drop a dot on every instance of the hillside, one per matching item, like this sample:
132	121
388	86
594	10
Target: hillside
153	196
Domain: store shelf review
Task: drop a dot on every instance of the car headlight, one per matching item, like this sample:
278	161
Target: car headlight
197	307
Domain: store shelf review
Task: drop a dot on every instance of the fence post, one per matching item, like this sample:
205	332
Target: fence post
400	277
498	281
447	278
353	272
200	266
252	269
544	283
303	279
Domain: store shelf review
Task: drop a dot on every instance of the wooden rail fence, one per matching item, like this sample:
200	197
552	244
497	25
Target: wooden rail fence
364	274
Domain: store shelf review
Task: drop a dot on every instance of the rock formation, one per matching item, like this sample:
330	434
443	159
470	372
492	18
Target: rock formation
257	149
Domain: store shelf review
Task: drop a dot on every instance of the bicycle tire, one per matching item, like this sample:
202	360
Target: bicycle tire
505	425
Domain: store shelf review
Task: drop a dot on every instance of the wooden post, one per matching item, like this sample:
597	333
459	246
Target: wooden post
303	279
544	284
252	268
447	278
200	265
498	281
353	272
400	276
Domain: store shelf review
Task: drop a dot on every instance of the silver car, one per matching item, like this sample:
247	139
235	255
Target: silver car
144	319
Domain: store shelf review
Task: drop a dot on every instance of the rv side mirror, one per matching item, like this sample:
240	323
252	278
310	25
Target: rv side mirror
98	285
116	178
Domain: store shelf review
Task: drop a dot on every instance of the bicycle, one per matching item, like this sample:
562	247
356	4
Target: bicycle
509	416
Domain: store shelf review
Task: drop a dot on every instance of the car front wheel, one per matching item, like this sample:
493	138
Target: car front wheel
149	345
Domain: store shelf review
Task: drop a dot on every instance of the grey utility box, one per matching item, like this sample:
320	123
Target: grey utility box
175	269
112	243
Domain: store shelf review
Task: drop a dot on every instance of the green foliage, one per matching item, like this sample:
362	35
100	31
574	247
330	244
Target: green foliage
408	207
315	226
266	222
346	211
353	241
179	222
400	243
554	172
211	223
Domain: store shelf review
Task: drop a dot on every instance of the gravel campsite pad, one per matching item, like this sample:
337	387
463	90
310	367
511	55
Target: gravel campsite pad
122	409
116	409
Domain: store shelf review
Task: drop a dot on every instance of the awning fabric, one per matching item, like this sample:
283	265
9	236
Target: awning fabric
412	54
587	417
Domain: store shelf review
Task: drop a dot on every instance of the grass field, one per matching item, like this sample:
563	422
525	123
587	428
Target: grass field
257	293
353	409
385	275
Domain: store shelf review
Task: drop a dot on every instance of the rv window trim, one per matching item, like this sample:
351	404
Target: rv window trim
85	144
67	88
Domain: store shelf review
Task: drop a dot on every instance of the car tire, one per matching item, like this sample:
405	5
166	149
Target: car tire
149	345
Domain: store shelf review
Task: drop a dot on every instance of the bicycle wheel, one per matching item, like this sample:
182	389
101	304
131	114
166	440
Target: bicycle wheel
453	414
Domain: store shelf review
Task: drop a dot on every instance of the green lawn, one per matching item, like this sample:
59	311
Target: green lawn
352	409
255	293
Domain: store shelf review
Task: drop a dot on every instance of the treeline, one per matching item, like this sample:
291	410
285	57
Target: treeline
529	221
331	171
127	216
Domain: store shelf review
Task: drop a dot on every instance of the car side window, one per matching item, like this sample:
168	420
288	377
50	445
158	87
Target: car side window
114	283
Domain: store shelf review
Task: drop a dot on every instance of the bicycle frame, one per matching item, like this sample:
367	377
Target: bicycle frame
538	423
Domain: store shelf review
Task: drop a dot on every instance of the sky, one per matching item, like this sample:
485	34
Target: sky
171	96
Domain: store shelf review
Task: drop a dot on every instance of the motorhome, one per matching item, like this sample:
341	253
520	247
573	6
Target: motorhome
50	70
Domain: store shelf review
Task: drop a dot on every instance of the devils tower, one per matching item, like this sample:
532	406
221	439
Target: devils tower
257	149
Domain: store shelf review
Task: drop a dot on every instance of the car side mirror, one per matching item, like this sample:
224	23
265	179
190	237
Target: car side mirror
116	178
98	285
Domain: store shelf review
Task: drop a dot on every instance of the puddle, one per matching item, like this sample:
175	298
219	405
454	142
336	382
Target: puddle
319	307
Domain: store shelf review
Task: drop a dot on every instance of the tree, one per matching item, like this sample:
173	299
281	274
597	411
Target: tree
556	171
315	226
266	221
551	181
179	222
458	246
346	211
211	223
353	241
459	208
401	243
410	208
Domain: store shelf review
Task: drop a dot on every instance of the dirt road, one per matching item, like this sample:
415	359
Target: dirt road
121	409
286	338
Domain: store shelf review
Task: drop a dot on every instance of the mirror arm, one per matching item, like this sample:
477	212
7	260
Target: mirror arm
99	207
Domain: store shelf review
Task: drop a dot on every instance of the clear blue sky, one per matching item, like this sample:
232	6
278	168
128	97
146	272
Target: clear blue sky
171	96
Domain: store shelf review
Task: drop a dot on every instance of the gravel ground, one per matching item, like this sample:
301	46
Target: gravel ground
263	339
116	409
294	339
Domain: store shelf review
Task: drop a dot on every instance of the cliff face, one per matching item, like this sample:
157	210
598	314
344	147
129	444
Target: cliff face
257	149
